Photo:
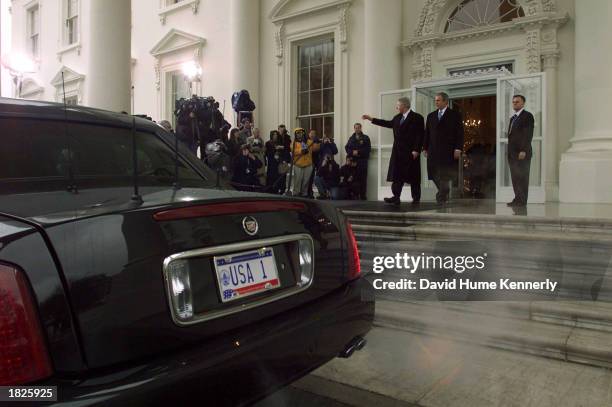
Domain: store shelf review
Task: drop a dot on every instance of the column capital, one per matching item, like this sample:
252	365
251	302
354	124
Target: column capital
550	59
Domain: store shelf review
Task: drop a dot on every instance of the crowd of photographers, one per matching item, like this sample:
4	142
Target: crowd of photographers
283	161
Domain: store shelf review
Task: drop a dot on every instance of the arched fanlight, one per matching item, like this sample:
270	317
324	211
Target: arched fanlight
482	13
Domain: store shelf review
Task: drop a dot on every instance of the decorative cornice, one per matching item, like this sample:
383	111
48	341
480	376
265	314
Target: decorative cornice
69	76
276	14
524	23
165	11
165	45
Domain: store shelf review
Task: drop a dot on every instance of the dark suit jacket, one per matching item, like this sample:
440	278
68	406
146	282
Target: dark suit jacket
442	138
407	137
520	134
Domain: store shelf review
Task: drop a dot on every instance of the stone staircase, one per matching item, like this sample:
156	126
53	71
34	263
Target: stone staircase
573	324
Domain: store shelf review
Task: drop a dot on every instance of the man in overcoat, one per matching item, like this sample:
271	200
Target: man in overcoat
405	163
442	145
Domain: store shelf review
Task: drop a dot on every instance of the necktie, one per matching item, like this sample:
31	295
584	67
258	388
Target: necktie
512	119
439	114
402	120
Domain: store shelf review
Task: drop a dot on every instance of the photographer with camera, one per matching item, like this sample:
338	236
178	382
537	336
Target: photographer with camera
349	180
199	122
327	179
257	148
245	168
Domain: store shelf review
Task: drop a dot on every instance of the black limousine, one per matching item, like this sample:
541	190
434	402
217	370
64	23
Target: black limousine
130	276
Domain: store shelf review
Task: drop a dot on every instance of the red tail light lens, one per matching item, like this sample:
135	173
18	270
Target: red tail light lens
353	252
23	354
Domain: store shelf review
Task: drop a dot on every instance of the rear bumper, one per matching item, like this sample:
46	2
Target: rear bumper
240	367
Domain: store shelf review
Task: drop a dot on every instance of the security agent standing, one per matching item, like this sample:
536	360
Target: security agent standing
442	145
520	135
359	147
405	163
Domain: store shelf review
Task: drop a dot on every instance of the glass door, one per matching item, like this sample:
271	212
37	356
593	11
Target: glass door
533	88
423	103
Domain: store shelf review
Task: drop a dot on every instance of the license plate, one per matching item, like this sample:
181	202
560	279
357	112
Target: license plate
247	273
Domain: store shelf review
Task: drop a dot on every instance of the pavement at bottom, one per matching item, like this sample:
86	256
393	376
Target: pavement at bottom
401	369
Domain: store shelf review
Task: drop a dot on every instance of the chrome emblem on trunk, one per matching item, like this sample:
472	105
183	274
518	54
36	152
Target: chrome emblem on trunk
250	225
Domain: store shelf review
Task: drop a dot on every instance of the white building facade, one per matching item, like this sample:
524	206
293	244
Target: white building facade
323	63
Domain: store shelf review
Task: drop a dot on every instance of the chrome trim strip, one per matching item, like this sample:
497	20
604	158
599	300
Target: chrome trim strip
235	247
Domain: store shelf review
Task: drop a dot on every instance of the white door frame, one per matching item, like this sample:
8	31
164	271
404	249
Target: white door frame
537	194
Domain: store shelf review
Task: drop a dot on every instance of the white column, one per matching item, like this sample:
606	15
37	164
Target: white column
382	68
108	80
586	167
244	43
552	129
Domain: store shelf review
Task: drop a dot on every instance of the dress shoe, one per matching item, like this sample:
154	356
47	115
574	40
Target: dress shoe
393	200
511	203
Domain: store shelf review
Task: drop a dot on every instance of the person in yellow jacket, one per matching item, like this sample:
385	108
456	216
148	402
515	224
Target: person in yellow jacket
302	149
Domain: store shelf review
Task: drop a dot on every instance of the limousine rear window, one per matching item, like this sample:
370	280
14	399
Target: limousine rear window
38	150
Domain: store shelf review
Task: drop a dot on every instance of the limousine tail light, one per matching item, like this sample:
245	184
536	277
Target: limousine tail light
23	354
353	252
180	289
305	253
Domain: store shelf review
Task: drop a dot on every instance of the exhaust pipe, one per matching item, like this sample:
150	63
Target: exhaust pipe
357	343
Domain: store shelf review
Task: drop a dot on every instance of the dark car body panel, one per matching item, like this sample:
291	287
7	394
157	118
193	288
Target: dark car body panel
21	244
94	259
120	300
233	369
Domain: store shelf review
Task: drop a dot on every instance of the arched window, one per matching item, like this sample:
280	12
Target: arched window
481	13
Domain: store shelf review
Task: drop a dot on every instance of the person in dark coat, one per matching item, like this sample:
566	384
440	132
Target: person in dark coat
443	145
327	179
349	186
245	165
520	135
276	153
405	163
359	147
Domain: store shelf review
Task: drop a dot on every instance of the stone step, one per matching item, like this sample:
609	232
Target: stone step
590	315
489	223
575	344
440	232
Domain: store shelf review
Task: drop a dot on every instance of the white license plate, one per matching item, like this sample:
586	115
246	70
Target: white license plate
247	273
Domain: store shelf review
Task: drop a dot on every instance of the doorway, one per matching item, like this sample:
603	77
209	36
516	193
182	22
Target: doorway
470	93
477	180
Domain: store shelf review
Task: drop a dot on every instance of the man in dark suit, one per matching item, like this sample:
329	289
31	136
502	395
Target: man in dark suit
405	163
442	145
520	134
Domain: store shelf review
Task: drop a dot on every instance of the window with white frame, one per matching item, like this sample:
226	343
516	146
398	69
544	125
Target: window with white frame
172	2
315	87
177	88
33	29
71	22
72	100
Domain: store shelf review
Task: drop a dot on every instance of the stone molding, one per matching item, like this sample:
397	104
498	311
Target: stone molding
73	84
280	19
540	24
174	40
167	10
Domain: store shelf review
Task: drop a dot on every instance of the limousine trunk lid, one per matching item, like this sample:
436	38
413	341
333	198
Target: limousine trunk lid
120	290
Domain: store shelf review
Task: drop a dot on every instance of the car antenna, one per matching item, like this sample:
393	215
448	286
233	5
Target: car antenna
176	185
72	185
136	196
